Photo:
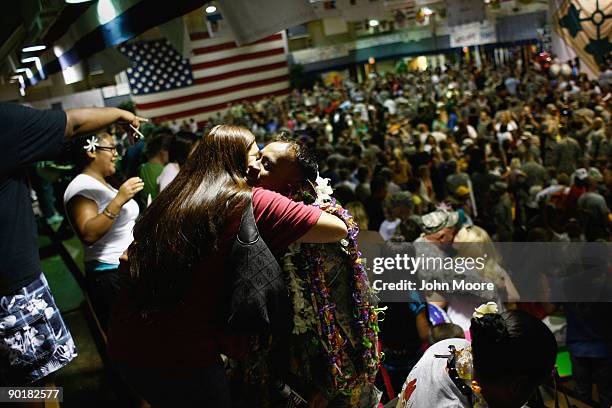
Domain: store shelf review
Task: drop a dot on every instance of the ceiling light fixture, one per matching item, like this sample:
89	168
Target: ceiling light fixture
34	48
27	71
21	84
373	23
107	11
36	62
210	9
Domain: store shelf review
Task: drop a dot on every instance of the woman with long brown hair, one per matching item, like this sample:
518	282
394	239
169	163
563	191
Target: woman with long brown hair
168	333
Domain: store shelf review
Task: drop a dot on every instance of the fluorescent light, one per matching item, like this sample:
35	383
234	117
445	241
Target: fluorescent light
36	61
373	23
21	81
58	51
27	71
34	48
210	9
106	11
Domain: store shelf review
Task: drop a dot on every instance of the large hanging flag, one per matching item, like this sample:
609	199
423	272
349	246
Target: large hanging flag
166	86
586	27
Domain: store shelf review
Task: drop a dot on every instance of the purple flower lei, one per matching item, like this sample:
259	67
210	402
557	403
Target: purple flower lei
365	315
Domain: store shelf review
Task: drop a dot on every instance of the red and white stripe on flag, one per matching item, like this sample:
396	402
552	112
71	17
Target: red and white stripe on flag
223	73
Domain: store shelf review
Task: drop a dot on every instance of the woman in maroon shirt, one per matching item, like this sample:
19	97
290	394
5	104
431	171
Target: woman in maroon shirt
167	331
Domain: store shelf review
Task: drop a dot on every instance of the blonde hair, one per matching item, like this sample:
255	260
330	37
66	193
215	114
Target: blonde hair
505	117
480	243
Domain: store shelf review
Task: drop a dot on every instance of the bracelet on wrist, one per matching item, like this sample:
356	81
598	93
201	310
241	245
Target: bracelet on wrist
110	214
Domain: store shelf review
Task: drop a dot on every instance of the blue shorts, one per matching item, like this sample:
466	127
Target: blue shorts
34	340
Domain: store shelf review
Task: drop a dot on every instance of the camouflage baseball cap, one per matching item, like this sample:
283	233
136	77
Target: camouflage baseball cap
595	174
438	220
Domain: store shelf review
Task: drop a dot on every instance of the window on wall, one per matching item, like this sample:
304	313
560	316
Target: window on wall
297	31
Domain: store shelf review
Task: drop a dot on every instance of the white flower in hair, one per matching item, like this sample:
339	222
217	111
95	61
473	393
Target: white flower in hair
484	309
323	189
92	144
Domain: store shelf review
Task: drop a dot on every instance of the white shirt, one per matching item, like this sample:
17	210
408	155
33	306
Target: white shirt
362	109
391	106
387	228
118	238
549	191
167	175
507	135
428	384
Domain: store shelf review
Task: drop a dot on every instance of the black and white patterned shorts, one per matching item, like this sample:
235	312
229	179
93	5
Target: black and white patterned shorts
34	340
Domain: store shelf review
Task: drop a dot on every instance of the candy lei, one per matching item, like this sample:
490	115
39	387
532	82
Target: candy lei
365	314
323	316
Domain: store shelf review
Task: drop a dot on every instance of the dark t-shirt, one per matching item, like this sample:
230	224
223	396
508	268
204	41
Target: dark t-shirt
27	136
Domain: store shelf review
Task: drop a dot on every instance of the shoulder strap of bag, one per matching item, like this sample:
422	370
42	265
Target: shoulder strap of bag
248	233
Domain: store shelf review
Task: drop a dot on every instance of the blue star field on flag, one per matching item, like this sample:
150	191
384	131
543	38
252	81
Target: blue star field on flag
156	67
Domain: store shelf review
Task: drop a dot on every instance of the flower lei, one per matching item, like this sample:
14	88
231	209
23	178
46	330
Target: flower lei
321	312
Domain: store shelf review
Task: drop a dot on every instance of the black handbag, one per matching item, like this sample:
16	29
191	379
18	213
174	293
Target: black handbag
259	302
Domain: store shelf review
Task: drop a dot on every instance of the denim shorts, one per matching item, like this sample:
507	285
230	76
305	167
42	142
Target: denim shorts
34	340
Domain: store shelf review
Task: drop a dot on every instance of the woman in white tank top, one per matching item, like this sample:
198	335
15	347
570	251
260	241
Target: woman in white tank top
102	217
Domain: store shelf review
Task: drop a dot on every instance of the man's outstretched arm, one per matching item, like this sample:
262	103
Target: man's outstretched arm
88	120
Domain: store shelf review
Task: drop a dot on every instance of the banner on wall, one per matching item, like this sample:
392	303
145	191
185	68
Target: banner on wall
585	27
333	26
310	55
467	35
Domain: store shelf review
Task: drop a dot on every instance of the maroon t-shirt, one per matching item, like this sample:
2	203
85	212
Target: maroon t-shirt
194	336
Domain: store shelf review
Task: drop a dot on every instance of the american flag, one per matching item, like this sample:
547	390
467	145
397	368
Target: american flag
166	86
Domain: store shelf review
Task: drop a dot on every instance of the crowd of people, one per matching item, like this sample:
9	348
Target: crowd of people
455	154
